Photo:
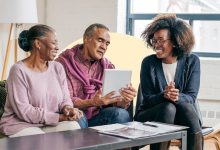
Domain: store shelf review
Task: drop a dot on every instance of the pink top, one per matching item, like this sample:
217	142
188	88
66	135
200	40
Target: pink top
34	99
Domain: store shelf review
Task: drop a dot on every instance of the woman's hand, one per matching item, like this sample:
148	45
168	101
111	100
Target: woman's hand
75	114
70	114
62	117
171	93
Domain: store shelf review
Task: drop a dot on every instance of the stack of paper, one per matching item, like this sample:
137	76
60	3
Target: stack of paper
137	130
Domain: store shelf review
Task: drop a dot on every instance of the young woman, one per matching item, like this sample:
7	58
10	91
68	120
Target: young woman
170	79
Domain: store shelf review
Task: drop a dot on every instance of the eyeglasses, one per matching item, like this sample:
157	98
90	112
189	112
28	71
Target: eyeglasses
159	41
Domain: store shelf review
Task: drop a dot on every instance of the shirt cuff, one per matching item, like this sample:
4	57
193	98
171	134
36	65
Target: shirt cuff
51	118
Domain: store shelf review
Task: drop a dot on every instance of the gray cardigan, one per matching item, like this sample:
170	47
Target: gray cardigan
153	82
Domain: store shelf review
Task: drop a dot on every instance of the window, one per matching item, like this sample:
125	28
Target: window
202	15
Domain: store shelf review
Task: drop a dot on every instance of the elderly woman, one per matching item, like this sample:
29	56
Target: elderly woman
38	99
170	79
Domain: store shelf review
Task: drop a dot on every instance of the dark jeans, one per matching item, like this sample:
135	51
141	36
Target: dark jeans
110	115
180	114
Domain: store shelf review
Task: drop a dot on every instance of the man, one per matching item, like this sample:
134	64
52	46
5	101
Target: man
84	65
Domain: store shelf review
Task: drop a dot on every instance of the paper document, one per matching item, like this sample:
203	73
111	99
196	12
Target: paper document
135	129
109	127
162	127
127	131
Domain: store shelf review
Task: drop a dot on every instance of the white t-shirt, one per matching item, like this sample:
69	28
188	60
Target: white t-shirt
169	71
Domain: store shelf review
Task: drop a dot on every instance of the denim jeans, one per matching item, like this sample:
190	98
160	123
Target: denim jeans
110	115
83	123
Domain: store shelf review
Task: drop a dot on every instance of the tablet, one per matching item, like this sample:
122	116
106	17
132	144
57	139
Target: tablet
114	80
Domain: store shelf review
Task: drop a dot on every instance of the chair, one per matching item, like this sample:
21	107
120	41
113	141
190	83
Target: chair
209	133
214	136
2	101
2	96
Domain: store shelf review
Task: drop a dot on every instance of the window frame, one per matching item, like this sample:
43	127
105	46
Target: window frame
131	17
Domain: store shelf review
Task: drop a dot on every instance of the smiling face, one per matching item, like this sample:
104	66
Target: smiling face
96	44
48	46
163	46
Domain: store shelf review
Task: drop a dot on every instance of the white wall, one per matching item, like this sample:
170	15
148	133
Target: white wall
209	94
71	17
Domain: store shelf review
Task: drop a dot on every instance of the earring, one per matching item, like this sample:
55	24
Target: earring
39	48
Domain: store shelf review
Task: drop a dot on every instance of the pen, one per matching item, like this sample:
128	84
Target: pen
150	125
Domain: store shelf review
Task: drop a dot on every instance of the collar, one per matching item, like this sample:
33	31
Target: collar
80	56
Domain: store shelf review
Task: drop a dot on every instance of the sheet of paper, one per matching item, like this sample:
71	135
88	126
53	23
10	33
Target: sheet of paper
124	130
161	127
109	127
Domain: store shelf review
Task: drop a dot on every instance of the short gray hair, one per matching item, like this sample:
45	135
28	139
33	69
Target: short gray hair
90	30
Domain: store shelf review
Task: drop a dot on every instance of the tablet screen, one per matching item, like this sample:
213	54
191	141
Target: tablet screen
114	80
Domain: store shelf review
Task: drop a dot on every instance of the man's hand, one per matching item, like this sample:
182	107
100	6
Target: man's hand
109	98
171	93
128	93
